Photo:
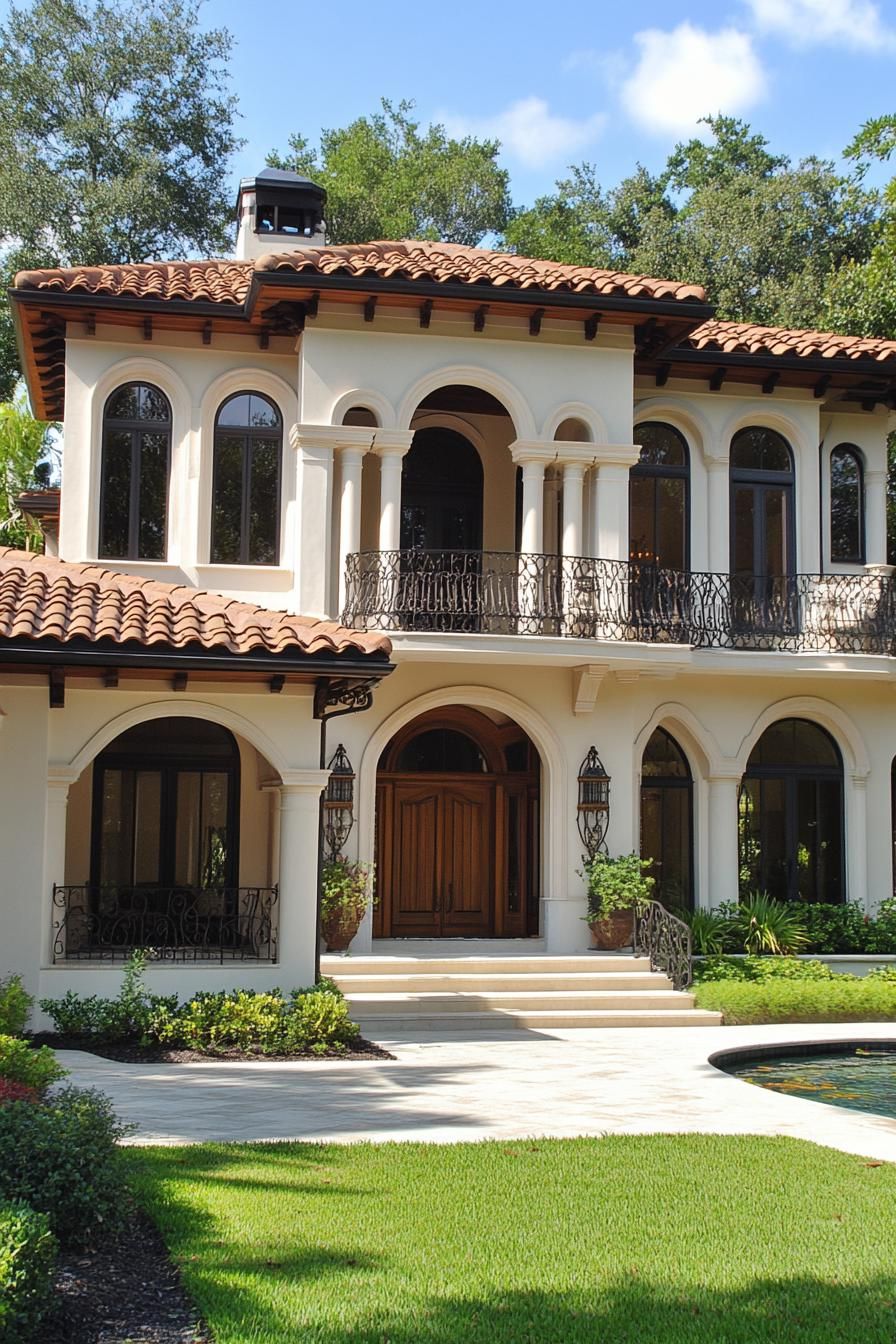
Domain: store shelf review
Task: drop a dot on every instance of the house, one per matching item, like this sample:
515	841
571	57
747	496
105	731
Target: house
611	546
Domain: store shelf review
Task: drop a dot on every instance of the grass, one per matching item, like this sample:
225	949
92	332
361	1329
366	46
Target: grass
840	999
687	1239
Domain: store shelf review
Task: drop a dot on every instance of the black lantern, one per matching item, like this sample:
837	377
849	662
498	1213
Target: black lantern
339	802
594	804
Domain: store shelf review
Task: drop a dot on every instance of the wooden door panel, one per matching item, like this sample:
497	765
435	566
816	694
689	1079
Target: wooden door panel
415	859
468	877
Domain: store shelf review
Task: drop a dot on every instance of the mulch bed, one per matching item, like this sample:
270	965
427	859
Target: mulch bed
129	1292
157	1054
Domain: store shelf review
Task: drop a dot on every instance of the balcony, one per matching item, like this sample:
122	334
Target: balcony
505	593
220	924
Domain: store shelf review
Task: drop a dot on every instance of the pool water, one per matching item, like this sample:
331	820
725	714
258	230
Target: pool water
862	1078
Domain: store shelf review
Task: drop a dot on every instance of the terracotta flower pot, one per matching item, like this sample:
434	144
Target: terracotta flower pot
338	929
613	932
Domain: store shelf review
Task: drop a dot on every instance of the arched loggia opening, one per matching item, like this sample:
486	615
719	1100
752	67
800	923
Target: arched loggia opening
458	828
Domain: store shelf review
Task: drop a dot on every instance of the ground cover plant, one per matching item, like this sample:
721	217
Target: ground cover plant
686	1239
759	924
750	990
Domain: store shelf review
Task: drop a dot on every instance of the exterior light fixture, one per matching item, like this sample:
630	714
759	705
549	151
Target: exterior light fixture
593	816
339	802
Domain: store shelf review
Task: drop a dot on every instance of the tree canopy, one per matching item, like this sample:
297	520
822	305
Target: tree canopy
386	179
26	461
116	131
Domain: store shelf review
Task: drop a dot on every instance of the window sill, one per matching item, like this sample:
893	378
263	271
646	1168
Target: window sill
264	572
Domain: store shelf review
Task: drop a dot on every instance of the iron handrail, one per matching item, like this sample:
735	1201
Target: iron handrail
666	940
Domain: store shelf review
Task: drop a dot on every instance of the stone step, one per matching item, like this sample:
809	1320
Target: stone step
341	967
469	982
503	1001
454	1024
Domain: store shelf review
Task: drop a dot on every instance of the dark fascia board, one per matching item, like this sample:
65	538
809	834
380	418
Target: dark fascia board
51	300
882	370
52	653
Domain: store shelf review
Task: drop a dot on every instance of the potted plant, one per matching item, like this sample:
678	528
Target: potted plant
346	891
615	887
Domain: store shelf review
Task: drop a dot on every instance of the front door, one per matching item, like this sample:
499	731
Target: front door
442	861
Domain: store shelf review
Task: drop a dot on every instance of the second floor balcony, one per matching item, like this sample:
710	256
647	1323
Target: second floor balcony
509	593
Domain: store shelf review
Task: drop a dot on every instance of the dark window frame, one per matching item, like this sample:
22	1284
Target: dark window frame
848	450
660	471
680	783
136	428
247	434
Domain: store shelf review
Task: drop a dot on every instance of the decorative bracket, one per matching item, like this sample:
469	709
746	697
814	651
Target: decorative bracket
586	684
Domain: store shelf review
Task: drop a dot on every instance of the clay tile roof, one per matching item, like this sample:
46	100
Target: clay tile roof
448	263
45	598
224	282
227	282
744	338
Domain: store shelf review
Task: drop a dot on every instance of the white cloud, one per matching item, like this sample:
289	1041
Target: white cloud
852	23
689	73
530	131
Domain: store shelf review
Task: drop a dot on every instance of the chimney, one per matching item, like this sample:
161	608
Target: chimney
278	212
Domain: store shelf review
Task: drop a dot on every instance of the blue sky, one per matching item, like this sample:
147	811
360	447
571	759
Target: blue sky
561	81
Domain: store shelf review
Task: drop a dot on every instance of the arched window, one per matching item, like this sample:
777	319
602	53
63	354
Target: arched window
667	819
763	539
246	487
134	480
847	505
790	814
659	498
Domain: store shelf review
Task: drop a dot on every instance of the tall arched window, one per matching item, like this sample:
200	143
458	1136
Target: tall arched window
847	505
790	814
134	485
659	498
246	486
667	819
763	539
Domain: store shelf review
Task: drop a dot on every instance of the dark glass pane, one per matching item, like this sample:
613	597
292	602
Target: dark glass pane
748	838
215	870
228	500
441	751
264	492
742	549
147	826
188	820
642	515
116	827
116	494
795	743
153	403
670	523
847	542
661	445
235	413
441	458
153	495
775	532
175	737
775	863
124	403
760	449
829	842
664	757
263	414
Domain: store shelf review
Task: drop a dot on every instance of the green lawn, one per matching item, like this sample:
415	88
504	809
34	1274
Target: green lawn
649	1240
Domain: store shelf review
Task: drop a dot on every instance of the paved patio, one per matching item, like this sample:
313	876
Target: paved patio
506	1085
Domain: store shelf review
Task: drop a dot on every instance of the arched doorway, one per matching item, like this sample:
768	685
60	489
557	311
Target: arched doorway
790	815
457	828
667	792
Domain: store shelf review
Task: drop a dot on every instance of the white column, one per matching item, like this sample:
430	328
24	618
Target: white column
610	495
532	457
59	782
718	496
314	444
299	848
573	490
876	517
857	842
390	447
722	828
351	460
532	536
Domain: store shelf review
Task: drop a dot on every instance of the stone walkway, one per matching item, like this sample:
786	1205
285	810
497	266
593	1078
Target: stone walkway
509	1085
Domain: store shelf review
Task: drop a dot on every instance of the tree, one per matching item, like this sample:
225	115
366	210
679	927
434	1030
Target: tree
116	128
26	462
384	179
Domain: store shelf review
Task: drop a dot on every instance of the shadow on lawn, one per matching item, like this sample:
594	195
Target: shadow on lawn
797	1311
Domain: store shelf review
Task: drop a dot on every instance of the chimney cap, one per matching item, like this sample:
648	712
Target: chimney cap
280	179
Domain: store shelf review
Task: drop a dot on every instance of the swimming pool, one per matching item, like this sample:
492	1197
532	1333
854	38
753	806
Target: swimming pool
859	1075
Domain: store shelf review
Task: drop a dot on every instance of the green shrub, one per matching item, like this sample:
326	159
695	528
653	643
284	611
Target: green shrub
244	1019
843	998
319	1021
880	934
887	973
762	924
709	931
615	883
714	969
835	928
21	1063
27	1256
130	1016
15	1005
62	1157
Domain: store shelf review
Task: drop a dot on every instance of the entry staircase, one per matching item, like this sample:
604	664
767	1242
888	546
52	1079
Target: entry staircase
406	992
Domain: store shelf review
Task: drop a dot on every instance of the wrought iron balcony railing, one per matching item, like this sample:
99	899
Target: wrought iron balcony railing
106	923
492	592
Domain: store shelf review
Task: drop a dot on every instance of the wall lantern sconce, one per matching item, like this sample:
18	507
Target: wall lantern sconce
339	802
594	804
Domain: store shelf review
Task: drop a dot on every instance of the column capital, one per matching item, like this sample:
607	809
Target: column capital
725	773
320	439
717	461
532	452
296	782
391	442
873	476
61	777
615	454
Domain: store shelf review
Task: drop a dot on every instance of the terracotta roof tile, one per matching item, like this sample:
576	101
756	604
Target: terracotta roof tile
45	598
225	282
747	339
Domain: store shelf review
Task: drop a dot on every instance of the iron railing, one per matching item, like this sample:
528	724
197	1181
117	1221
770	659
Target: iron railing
666	940
492	592
106	923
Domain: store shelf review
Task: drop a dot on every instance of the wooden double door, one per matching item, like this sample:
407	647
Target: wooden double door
438	833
